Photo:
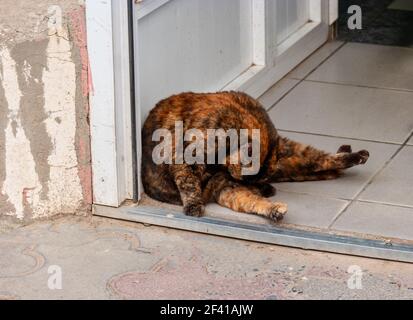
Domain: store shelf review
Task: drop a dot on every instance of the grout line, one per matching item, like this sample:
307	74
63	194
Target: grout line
370	181
325	60
301	80
388	204
283	96
341	137
359	85
331	197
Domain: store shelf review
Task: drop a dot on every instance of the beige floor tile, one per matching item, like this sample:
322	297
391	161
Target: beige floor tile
377	219
275	93
369	65
395	183
313	61
346	111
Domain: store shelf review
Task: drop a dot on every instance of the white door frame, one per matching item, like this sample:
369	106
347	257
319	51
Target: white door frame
110	116
276	61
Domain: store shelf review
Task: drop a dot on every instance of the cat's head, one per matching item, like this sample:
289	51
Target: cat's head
251	160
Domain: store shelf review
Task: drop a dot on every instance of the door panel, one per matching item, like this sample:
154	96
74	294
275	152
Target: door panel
199	45
192	45
290	16
294	29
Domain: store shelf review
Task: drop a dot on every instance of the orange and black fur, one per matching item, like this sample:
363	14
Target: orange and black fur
195	185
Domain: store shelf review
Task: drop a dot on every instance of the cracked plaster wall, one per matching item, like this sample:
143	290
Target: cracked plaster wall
44	133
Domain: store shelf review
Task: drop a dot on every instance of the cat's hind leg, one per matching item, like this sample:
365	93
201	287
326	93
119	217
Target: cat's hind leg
298	162
242	198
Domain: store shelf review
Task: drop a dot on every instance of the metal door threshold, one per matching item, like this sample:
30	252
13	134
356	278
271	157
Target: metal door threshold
307	240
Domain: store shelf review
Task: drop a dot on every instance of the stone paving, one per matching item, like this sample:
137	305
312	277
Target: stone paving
101	258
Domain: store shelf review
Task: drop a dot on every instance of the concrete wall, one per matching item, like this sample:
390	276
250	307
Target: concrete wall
44	133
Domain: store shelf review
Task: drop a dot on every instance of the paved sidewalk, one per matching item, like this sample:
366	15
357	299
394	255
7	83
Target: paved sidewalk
109	259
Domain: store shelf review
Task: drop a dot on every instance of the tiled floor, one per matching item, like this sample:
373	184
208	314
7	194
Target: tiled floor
346	93
369	65
358	94
362	95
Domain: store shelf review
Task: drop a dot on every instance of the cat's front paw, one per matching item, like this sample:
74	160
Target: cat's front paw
194	209
277	211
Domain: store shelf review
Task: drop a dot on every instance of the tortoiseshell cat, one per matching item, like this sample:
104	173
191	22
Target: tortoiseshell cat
195	185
